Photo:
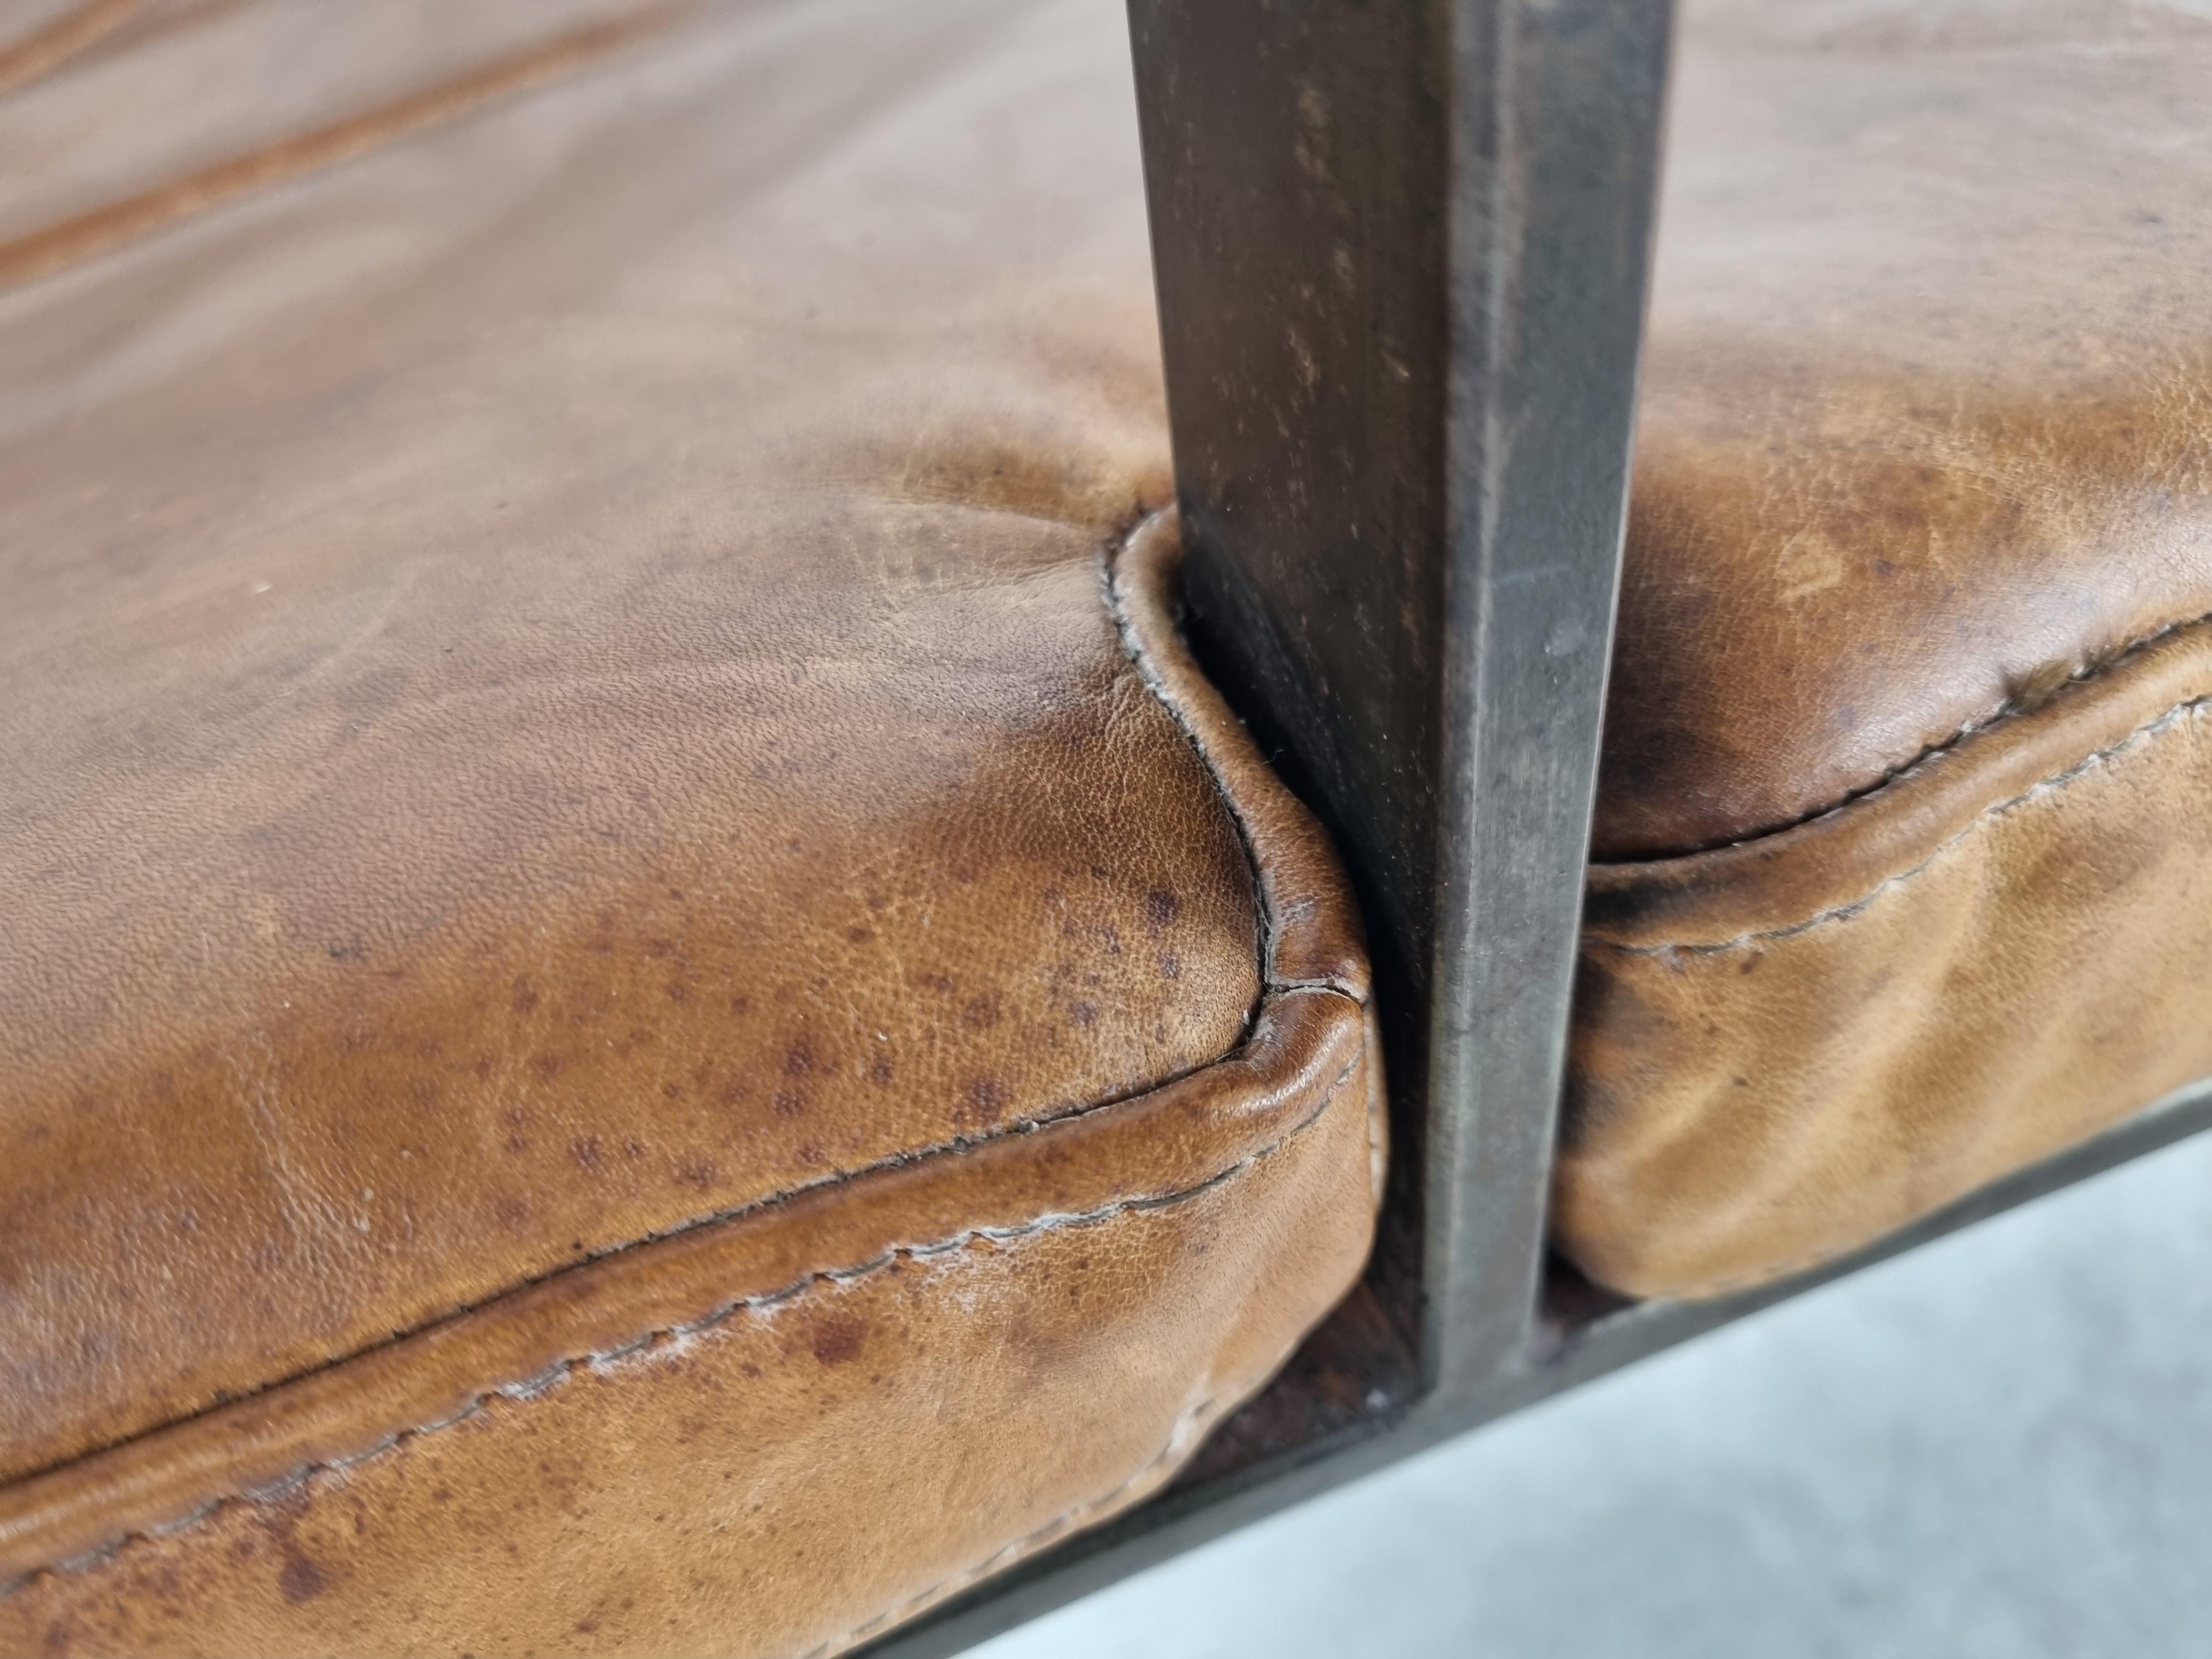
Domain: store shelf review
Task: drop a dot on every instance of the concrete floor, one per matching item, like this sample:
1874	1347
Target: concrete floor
1999	1447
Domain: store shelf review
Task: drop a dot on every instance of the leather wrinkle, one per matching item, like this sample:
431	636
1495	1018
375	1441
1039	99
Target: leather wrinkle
34	56
1109	595
1178	1441
526	1390
2163	721
1151	522
65	243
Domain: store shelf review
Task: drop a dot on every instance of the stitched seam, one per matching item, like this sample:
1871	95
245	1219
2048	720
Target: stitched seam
959	1145
2011	708
1110	585
561	1371
954	1146
1844	912
531	1388
1111	592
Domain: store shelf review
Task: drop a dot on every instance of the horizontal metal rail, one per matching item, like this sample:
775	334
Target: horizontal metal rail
1582	1343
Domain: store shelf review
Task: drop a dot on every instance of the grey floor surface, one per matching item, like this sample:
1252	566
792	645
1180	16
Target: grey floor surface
2000	1445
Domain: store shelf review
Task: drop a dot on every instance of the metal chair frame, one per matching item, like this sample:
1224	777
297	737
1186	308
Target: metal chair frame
1402	251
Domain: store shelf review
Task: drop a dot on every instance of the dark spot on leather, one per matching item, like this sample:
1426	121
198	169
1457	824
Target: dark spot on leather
1161	907
350	951
838	1340
1752	962
980	1013
585	1151
57	1638
548	1066
879	1069
633	1148
698	1172
1171	965
798	1060
524	995
510	1211
671	1092
858	935
739	1005
659	947
787	1102
301	1580
675	991
734	1092
517	1144
1083	1013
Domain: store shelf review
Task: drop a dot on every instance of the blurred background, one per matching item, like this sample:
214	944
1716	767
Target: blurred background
1997	1447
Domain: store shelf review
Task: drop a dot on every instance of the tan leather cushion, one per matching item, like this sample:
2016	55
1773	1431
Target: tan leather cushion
633	1018
1906	863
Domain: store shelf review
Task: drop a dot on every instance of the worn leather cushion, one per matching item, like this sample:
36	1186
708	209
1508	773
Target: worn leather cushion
635	1015
1904	871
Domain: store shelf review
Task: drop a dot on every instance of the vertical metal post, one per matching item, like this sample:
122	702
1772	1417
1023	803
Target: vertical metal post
1402	254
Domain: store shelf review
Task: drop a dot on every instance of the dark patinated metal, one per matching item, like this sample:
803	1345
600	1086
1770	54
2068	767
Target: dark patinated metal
1402	251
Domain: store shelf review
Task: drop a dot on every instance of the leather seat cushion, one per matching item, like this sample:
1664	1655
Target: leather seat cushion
636	1015
1904	873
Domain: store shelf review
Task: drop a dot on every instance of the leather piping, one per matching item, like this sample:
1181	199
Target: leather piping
1280	841
1138	647
1890	835
531	1388
2011	708
83	236
1844	911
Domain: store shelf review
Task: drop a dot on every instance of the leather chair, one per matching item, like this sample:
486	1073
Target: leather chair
646	1003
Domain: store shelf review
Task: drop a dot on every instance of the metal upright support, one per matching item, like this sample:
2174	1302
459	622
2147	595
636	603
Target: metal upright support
1401	248
1403	254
